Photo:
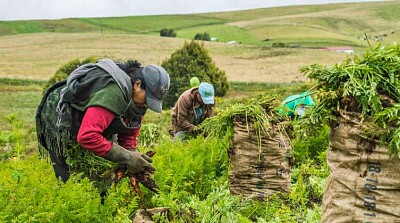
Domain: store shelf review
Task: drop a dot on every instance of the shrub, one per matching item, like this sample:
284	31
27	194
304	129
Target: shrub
202	36
191	60
168	33
13	142
278	44
31	193
63	72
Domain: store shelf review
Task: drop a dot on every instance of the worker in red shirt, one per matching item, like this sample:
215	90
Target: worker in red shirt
99	102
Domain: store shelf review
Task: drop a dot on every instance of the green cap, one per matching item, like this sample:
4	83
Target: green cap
194	82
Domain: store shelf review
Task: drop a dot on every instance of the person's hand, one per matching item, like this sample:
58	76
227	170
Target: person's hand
197	130
135	161
140	163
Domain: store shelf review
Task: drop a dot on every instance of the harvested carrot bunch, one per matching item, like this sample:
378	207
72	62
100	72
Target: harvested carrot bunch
134	179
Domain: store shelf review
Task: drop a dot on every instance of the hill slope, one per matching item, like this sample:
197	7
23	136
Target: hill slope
312	25
42	46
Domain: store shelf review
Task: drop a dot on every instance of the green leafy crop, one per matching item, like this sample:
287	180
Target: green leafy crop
368	84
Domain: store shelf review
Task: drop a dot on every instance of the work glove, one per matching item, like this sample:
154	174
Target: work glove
196	130
145	177
135	161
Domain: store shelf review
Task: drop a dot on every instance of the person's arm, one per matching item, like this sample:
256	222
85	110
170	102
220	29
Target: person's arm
129	139
95	121
182	115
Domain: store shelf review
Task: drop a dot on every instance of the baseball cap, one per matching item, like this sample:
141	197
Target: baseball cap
194	82
157	83
206	91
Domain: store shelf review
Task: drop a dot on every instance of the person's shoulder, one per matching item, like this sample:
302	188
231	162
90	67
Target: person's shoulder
112	86
110	97
188	92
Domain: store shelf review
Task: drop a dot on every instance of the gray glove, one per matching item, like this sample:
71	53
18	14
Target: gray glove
134	160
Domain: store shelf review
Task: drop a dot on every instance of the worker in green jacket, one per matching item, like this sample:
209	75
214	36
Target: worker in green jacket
97	102
296	105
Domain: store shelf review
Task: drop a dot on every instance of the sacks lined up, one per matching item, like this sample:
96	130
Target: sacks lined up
364	183
259	162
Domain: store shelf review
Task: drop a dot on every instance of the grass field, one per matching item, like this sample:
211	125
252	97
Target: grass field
42	46
38	56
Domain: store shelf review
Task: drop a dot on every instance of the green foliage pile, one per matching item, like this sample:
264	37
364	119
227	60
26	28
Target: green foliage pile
261	112
100	170
202	36
368	84
168	32
85	163
191	60
63	72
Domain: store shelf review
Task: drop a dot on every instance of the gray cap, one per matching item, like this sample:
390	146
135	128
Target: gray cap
157	83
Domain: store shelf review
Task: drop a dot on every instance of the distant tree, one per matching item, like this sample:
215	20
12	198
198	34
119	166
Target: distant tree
168	33
171	33
278	44
198	36
191	60
206	37
202	36
164	32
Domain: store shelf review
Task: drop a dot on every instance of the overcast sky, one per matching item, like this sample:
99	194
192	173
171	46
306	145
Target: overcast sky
56	9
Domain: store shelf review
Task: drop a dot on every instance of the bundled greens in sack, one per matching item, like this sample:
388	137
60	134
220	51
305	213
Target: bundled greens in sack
359	99
368	84
259	147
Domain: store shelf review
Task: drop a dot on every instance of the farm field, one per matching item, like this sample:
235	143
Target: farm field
193	175
35	49
37	56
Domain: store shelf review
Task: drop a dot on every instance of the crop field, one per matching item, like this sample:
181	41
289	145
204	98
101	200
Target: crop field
272	57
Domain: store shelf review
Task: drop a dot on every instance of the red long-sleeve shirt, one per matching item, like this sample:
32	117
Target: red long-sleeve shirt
95	121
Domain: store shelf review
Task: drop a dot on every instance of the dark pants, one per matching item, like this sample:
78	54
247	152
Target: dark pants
60	166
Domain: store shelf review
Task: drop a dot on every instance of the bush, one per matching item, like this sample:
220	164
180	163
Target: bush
191	60
278	44
202	36
168	33
63	72
13	142
31	193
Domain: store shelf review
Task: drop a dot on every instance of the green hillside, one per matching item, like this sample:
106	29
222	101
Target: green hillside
310	25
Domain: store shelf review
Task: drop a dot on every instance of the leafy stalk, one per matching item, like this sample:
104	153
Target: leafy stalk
368	84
